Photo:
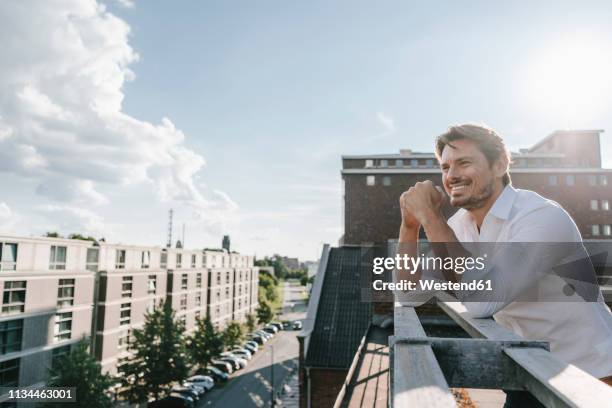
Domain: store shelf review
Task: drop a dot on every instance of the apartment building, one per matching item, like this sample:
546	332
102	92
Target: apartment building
46	304
59	291
565	166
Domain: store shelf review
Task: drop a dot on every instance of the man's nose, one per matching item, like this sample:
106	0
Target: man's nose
453	174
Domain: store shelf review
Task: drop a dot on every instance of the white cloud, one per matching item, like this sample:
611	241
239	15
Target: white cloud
8	219
5	211
69	219
126	3
386	121
64	66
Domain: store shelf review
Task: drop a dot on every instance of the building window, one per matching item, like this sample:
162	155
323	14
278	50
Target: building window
8	257
399	163
386	180
125	338
199	280
151	306
197	315
57	260
179	260
152	285
227	277
163	260
607	230
184	281
120	259
126	286
91	264
552	180
13	300
384	163
218	278
125	313
414	163
184	302
58	353
429	162
198	300
65	293
370	180
594	229
63	326
9	373
603	180
594	205
10	336
145	259
183	320
592	180
605	205
569	180
227	292
369	163
194	259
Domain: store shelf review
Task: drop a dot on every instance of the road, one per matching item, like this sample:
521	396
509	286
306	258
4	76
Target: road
250	387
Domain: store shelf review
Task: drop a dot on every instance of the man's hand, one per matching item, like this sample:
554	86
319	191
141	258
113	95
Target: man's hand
420	204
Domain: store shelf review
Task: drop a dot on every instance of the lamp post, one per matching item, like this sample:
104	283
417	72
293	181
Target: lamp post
272	400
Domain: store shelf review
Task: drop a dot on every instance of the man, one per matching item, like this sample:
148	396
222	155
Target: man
474	163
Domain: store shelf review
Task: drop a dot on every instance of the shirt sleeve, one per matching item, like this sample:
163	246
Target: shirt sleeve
538	241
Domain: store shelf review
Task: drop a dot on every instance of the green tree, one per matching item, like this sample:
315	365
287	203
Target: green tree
81	237
233	334
159	356
52	234
251	322
264	312
267	288
80	370
205	343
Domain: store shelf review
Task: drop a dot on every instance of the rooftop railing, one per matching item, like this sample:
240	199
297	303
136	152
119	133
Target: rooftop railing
424	368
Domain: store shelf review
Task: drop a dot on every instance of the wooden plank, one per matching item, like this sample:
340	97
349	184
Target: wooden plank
479	363
479	328
557	384
417	380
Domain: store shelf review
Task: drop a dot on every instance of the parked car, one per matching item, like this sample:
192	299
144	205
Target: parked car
198	388
252	346
265	334
242	353
224	366
278	325
297	325
215	373
238	362
258	339
174	400
203	381
272	327
187	391
287	325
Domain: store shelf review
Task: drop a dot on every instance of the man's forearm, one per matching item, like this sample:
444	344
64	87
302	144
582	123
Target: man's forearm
408	245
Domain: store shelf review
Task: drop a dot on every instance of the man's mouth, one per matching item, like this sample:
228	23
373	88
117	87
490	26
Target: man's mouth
458	188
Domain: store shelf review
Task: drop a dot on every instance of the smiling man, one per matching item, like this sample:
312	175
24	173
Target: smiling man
475	175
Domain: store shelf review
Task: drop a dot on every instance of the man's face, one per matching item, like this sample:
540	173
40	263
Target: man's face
468	178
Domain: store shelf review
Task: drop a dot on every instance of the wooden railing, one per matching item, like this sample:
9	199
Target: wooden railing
423	368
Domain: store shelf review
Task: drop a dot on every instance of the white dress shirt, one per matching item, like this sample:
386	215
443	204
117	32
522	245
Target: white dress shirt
579	332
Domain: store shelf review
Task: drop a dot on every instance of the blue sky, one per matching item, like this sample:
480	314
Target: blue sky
271	94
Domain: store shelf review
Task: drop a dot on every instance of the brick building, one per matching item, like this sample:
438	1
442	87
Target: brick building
565	167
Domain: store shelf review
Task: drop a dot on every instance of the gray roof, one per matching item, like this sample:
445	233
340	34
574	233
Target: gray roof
342	317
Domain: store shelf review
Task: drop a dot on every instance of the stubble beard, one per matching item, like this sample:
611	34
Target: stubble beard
477	200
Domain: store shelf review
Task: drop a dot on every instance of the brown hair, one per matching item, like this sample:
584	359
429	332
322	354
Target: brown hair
487	140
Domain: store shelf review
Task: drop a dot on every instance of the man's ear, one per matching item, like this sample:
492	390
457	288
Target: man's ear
500	167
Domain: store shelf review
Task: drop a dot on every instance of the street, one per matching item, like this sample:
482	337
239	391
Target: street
250	387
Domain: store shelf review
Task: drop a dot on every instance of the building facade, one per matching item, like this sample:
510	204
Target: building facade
564	167
59	291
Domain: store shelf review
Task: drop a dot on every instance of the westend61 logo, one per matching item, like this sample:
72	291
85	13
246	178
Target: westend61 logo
409	263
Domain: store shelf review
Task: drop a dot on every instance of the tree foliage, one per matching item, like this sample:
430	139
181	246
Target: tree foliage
264	312
159	356
80	370
233	334
251	322
205	343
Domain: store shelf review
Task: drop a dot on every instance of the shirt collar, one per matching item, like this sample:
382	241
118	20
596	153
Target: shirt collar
503	205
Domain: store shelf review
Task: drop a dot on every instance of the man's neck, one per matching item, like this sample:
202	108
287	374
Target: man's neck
479	214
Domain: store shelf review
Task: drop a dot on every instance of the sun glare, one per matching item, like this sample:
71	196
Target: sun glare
571	80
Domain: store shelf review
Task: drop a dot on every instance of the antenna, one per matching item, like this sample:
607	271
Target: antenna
170	213
183	235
